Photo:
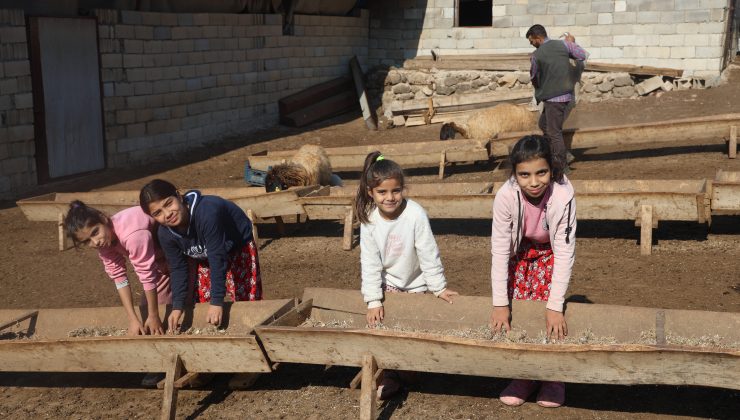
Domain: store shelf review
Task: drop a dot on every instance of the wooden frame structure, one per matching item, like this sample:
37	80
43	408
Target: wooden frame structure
53	351
259	204
726	193
660	133
369	349
644	201
408	155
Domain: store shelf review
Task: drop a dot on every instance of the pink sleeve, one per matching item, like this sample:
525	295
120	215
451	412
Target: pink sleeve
115	265
500	249
564	253
142	254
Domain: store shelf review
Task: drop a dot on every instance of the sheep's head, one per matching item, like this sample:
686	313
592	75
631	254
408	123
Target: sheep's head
283	176
447	131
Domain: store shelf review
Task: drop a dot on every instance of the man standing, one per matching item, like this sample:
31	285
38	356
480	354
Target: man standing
554	78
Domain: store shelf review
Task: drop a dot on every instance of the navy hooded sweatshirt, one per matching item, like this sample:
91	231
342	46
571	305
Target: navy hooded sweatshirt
216	227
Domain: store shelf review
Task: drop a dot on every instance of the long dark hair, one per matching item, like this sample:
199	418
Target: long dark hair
80	216
535	147
157	189
376	170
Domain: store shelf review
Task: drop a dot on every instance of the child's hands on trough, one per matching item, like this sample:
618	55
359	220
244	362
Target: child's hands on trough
447	295
556	326
500	319
375	316
153	325
174	321
214	315
135	328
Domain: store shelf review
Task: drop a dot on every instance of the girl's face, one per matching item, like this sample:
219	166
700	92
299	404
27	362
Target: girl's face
97	235
169	211
533	177
388	197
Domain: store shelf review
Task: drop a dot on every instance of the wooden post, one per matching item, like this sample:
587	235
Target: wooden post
442	162
367	113
169	402
349	219
281	225
646	230
255	234
62	237
732	153
355	382
369	388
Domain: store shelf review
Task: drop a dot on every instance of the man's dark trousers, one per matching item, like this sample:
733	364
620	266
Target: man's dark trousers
551	122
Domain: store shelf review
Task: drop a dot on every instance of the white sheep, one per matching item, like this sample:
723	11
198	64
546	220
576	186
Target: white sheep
488	123
309	166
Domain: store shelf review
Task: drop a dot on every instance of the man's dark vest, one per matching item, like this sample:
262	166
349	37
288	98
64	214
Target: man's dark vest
554	72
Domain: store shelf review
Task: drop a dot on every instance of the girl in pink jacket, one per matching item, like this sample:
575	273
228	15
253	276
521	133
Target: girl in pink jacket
127	234
532	251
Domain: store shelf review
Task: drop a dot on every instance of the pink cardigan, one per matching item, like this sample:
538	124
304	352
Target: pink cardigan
507	231
136	233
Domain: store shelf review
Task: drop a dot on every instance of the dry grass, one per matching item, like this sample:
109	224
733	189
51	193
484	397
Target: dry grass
97	332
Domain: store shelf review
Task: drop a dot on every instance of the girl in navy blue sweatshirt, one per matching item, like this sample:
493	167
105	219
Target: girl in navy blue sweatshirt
217	235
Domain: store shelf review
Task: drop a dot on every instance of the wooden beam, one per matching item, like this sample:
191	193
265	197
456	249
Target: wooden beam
295	316
442	163
646	230
313	94
169	402
189	380
460	103
733	142
348	222
726	193
668	132
326	108
62	236
367	114
368	400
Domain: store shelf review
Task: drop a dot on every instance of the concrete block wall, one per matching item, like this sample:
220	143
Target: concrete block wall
17	148
176	81
686	34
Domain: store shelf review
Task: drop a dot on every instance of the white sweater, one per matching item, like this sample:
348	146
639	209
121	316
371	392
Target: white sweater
401	253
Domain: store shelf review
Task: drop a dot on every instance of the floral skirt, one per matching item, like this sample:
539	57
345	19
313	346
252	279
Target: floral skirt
243	281
530	272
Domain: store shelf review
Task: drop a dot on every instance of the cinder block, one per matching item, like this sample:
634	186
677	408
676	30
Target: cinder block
683	52
131	60
625	17
605	19
564	20
126	117
10	34
557	8
111	60
671	40
648	17
162	32
711	27
697	40
8	86
647	40
143	32
23	100
697	16
611	52
20	132
620	6
124	89
132	46
649	85
17	68
185	19
687	4
602	6
185	45
708	52
169	19
130	17
624	40
602	41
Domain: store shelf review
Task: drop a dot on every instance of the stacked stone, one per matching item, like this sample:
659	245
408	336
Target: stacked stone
17	148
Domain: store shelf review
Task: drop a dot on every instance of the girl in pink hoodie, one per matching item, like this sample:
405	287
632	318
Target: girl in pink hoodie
532	251
128	234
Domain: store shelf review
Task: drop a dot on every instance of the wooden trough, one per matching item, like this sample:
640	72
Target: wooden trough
644	201
630	363
49	348
661	134
726	193
258	204
408	155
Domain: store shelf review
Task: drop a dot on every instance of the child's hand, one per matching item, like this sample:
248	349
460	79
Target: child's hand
214	315
500	319
447	295
173	322
153	325
556	326
375	316
135	328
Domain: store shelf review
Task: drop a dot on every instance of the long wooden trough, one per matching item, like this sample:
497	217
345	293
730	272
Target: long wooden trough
408	155
644	201
726	193
637	361
50	349
661	134
257	203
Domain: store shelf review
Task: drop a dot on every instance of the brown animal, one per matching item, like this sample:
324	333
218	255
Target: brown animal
488	123
309	166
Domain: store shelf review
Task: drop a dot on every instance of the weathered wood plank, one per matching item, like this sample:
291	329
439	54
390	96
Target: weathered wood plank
726	193
169	402
313	94
357	77
669	131
329	107
369	390
461	103
140	354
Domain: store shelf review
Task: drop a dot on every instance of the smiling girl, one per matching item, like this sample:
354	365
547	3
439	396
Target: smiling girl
128	234
217	235
532	251
398	252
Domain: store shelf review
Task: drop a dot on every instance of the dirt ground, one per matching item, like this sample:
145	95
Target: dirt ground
692	267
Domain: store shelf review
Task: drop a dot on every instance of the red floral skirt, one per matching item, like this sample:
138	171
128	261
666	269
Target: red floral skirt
243	281
530	272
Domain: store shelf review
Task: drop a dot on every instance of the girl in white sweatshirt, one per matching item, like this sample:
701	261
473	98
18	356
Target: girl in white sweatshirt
397	249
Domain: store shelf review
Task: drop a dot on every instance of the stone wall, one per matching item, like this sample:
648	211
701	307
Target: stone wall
684	34
17	149
172	82
175	81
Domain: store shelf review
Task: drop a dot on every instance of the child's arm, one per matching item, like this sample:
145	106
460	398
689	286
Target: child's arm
429	261
218	260
134	325
371	268
564	252
178	264
501	229
115	266
142	254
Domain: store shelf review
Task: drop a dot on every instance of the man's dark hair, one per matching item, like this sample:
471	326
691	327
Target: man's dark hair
536	30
